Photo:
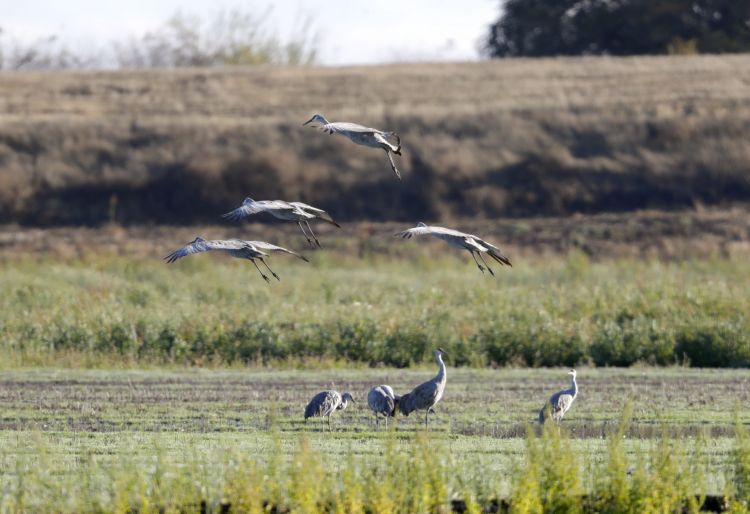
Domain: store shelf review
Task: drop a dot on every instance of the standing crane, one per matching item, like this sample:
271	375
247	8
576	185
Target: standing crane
287	211
382	400
560	402
326	403
426	395
475	245
362	135
250	250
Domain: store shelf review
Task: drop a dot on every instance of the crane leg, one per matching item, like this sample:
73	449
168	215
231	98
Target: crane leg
427	413
481	268
312	233
329	423
309	241
487	265
386	422
269	268
259	271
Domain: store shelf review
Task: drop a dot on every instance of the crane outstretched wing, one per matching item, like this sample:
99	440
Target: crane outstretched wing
416	231
201	245
197	246
250	208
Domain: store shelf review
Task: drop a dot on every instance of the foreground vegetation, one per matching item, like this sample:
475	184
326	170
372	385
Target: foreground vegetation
644	440
205	310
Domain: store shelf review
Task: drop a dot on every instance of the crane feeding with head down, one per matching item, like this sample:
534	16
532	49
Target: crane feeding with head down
382	401
362	135
475	245
288	211
326	403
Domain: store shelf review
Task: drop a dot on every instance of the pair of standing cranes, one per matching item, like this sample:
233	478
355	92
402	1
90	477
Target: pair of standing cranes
302	213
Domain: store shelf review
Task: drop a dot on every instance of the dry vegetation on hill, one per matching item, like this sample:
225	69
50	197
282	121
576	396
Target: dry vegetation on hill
508	138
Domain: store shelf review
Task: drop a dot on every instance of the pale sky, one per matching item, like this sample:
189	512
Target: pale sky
350	31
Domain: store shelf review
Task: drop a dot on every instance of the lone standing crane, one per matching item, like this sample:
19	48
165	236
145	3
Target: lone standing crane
250	250
475	245
287	211
382	400
425	396
560	402
326	403
362	135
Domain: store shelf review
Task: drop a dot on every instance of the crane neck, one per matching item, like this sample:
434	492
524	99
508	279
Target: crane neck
573	386
441	367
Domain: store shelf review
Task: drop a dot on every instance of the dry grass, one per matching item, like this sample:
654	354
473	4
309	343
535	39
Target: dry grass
509	138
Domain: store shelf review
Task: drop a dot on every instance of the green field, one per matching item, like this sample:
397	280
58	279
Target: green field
83	441
372	311
130	385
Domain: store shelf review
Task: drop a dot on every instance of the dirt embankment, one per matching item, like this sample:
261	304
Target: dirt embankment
513	138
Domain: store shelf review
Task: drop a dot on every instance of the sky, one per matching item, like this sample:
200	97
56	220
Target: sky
349	31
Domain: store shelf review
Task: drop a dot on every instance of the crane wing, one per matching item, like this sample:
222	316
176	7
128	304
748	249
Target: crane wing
201	245
416	231
250	208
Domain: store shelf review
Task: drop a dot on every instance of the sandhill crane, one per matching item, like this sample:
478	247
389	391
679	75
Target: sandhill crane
250	250
560	402
475	245
425	396
287	211
326	403
382	400
362	135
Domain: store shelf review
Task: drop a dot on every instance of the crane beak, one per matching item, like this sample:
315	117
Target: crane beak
308	121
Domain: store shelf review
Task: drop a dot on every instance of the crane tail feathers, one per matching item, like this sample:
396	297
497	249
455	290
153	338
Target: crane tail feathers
502	259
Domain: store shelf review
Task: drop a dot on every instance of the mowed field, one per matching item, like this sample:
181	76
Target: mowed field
115	440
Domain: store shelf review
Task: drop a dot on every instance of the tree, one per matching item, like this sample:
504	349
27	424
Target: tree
619	27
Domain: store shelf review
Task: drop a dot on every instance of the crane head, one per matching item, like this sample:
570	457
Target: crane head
440	351
247	201
319	118
572	373
198	239
347	397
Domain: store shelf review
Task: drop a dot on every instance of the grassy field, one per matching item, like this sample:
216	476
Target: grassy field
88	441
502	138
374	311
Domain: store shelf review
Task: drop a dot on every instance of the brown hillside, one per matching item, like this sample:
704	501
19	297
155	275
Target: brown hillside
500	138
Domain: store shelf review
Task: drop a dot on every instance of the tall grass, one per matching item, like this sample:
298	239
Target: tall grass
546	313
409	473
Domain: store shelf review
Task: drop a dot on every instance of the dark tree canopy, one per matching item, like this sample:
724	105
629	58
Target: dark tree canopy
619	27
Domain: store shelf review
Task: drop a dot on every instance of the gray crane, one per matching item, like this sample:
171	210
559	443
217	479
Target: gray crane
475	245
288	211
250	250
426	395
362	135
326	403
560	402
382	400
